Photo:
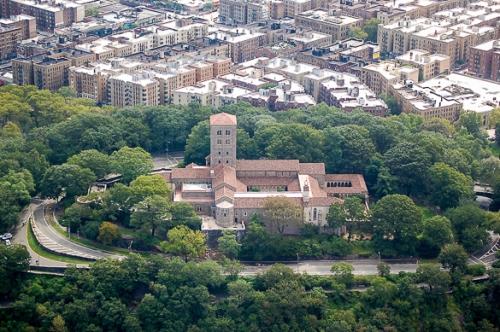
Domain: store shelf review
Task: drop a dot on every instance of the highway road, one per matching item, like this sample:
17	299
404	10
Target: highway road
361	267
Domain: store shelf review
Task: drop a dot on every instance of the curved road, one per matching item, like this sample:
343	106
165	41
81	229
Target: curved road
53	235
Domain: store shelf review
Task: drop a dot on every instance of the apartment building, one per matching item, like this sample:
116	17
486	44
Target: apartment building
91	82
22	71
276	9
257	12
221	65
49	14
204	70
8	42
483	60
25	22
378	77
310	39
233	11
414	99
447	37
294	7
242	43
348	93
201	92
279	98
179	31
312	81
328	22
429	65
50	73
133	89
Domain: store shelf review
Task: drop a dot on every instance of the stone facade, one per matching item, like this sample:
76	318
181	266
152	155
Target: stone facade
226	192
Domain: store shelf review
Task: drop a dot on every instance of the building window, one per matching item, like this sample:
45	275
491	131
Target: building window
228	141
198	208
219	132
219	141
315	213
245	214
228	132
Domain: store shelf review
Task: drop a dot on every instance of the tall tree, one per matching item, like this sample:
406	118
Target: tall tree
108	233
281	211
151	213
94	160
184	241
349	214
150	185
357	33
371	29
397	217
438	231
131	162
449	187
228	243
198	144
15	193
71	180
454	257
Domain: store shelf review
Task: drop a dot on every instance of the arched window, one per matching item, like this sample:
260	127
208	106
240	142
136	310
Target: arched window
320	215
315	214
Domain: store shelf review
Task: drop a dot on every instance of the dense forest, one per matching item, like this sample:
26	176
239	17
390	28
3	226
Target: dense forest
168	294
54	144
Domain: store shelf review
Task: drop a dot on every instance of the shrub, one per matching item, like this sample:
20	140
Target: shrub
476	270
91	230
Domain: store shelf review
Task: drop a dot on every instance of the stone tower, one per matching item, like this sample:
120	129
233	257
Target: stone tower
223	139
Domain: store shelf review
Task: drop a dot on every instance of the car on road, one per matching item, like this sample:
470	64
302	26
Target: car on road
6	236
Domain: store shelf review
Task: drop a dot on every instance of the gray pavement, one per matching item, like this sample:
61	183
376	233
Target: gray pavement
368	267
52	240
161	160
20	236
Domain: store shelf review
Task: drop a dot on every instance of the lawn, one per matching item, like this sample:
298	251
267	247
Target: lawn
363	248
426	212
495	149
46	254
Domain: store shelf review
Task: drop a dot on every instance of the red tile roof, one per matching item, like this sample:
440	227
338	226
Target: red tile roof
323	201
223	119
167	175
191	173
268	165
224	192
224	175
357	182
312	168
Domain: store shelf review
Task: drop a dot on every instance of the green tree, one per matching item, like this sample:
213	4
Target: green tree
183	214
281	211
469	225
296	141
371	29
231	267
258	243
131	162
454	257
449	187
471	121
397	217
108	233
228	243
349	214
198	144
343	273
489	169
409	164
58	324
357	33
436	281
151	213
70	180
438	231
438	125
150	185
384	270
184	241
67	92
94	160
15	190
